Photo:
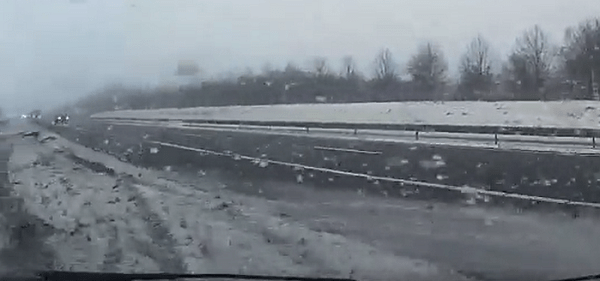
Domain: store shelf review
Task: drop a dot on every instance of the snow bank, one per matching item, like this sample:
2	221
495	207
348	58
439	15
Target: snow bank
560	114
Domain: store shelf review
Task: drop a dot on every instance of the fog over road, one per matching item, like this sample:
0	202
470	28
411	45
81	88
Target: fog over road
84	216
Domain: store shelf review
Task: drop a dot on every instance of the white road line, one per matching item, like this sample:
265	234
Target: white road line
347	150
464	189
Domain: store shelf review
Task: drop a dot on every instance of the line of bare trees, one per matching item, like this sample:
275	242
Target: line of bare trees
535	69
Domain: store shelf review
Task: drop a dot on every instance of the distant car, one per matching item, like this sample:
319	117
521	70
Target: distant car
36	114
61	119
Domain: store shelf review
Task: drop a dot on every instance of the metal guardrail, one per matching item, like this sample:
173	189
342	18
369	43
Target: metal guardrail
417	128
474	129
182	144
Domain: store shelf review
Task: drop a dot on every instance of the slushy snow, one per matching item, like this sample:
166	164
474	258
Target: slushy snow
147	224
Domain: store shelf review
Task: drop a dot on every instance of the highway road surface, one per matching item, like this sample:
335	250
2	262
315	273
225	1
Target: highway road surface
577	145
93	212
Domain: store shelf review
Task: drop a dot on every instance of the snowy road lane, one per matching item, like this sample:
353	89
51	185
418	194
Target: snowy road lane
71	204
21	234
479	242
486	243
127	219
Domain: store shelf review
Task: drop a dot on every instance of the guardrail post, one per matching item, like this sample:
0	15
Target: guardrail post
307	129
495	138
417	135
594	142
355	131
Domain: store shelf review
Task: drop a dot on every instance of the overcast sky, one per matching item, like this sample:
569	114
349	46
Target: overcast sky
69	48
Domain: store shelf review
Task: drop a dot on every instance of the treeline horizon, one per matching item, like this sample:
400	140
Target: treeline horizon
536	69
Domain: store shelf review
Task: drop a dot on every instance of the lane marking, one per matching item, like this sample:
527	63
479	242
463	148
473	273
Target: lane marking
464	189
347	150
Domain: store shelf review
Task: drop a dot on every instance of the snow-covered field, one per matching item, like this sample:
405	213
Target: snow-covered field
137	221
558	114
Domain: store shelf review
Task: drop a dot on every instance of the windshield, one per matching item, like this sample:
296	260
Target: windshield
366	140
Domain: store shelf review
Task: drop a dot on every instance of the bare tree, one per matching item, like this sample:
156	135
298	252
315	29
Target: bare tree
476	69
385	67
348	67
267	69
534	55
428	69
581	57
246	77
320	67
291	67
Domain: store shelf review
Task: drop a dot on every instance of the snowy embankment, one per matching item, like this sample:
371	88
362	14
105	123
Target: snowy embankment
556	114
128	219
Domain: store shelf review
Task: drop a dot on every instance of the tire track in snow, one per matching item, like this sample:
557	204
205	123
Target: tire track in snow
218	241
162	247
323	254
114	254
96	227
23	234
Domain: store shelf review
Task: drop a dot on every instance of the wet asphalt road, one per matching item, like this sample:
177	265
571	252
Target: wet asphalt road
486	244
503	248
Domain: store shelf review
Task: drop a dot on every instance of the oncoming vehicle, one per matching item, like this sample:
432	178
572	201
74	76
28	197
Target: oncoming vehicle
61	119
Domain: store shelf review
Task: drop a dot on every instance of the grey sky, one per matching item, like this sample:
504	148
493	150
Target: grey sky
70	48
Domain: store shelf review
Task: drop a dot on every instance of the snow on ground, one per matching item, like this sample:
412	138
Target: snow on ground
205	227
87	213
561	114
135	221
494	243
